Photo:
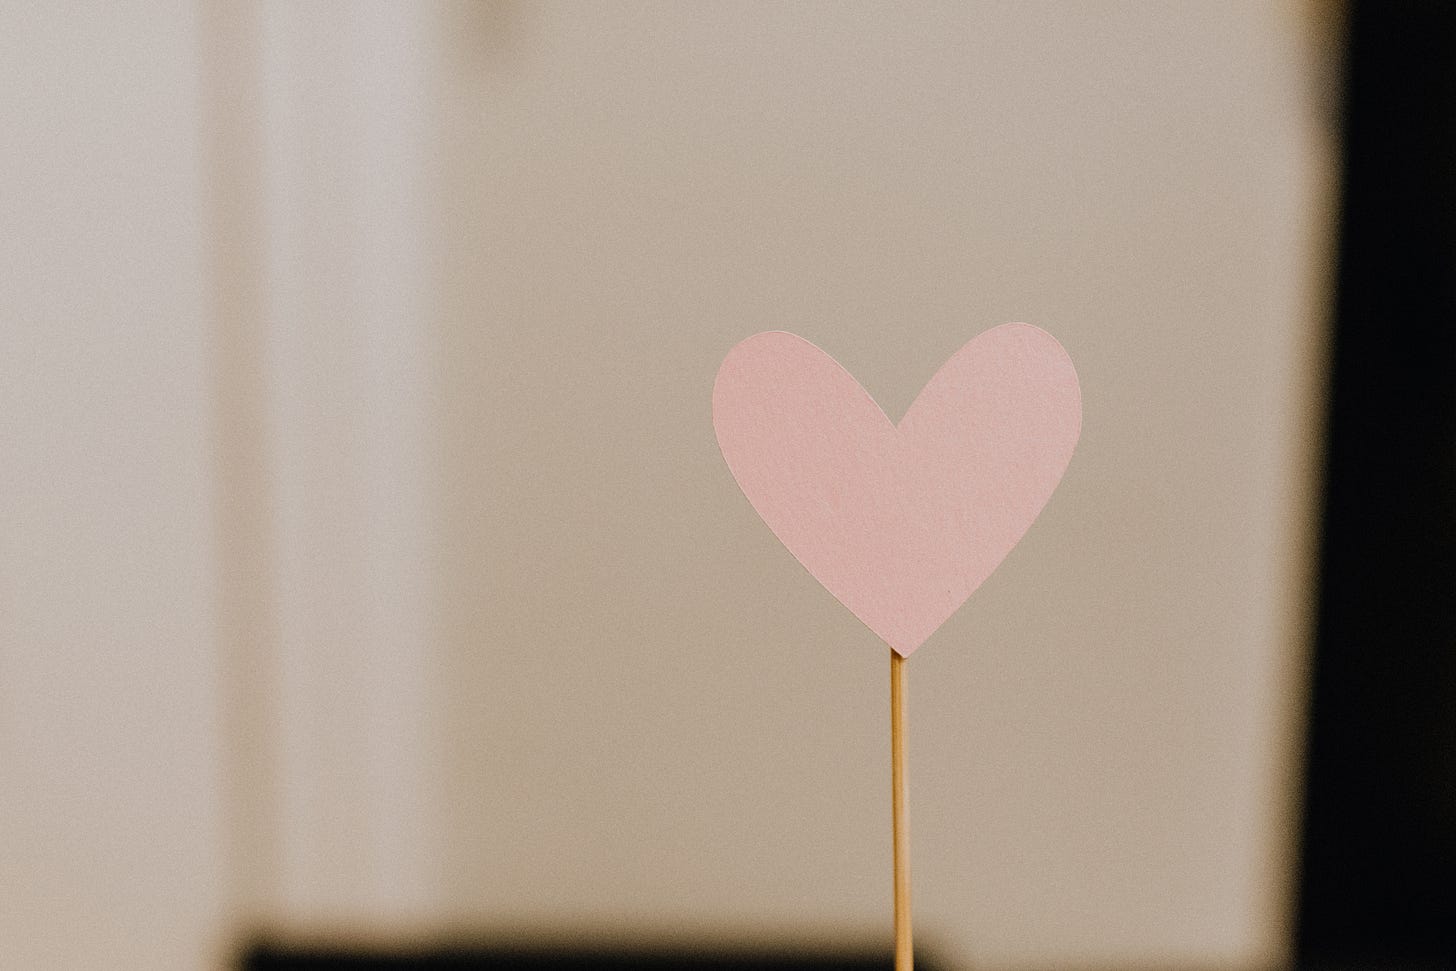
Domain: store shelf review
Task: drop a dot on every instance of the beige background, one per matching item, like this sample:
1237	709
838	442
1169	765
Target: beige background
367	561
111	827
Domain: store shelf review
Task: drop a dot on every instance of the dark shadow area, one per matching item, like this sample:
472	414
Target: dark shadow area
460	957
1378	887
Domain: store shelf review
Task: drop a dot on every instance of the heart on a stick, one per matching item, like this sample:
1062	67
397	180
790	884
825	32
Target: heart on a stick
902	522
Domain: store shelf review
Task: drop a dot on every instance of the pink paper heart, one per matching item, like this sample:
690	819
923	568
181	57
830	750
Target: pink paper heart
901	523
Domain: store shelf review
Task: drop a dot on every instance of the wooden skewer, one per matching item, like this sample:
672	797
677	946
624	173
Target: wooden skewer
904	952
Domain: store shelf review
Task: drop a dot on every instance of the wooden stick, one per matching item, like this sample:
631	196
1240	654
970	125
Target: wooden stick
904	952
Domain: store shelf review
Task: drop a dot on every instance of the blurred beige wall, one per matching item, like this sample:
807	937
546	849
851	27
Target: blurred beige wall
659	720
111	827
368	563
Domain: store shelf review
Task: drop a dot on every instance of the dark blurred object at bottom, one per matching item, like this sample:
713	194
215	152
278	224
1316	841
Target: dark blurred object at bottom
463	957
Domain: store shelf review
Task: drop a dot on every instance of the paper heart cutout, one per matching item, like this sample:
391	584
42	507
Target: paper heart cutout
900	522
